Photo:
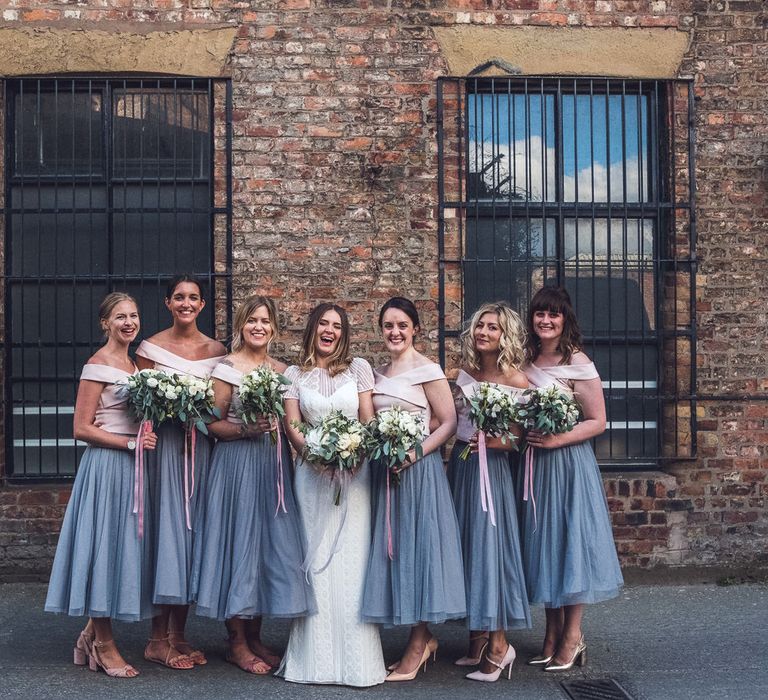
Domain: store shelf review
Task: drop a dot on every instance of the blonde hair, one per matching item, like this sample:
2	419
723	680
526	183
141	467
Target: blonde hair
340	359
511	343
245	311
108	304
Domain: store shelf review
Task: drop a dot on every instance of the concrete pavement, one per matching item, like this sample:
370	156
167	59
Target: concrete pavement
661	642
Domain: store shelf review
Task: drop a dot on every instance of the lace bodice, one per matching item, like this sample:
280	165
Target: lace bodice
468	385
319	393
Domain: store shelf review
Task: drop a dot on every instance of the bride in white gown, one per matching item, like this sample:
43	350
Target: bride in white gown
333	646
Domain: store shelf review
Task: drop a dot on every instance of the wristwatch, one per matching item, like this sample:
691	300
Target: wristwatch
131	444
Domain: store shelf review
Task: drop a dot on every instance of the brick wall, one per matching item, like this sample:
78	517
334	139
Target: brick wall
334	168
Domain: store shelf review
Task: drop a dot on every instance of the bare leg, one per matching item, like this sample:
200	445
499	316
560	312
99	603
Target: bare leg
554	631
477	641
253	635
159	649
239	652
414	652
105	650
497	647
571	635
176	624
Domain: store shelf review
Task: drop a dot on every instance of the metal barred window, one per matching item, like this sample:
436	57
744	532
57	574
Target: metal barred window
110	185
586	183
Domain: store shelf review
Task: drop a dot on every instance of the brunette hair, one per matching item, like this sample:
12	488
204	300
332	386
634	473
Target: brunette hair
179	279
555	300
245	311
340	359
401	304
511	343
108	304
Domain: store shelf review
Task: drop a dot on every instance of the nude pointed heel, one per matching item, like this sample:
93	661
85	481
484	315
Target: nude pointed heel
428	651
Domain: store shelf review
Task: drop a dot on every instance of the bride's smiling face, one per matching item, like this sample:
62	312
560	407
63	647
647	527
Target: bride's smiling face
328	333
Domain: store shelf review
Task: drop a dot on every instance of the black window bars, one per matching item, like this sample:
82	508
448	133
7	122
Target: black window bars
111	184
586	183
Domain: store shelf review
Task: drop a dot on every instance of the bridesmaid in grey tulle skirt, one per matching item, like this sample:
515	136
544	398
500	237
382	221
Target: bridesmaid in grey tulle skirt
103	562
249	555
492	348
178	476
568	550
423	580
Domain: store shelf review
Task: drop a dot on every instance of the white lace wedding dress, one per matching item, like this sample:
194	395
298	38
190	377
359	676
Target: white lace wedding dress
334	646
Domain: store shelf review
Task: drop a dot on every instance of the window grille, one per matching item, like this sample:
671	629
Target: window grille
110	185
586	183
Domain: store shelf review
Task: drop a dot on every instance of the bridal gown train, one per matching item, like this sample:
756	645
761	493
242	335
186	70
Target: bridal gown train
334	646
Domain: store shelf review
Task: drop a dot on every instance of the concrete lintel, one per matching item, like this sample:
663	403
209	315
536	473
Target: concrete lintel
53	50
608	51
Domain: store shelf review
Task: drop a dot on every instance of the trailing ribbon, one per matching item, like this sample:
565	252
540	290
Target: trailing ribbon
390	549
486	496
528	482
138	474
280	481
189	471
324	509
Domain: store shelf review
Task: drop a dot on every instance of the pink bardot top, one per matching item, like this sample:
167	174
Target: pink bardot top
230	375
174	364
468	385
561	376
112	412
405	390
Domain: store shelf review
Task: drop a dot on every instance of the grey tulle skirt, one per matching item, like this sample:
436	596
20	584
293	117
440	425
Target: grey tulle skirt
569	555
102	568
173	583
493	567
424	581
248	557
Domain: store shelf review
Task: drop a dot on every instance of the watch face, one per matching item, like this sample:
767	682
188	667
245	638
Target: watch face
131	444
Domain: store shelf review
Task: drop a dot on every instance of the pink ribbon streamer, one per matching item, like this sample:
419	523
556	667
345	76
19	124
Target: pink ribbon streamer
486	497
280	480
189	471
528	482
138	475
390	548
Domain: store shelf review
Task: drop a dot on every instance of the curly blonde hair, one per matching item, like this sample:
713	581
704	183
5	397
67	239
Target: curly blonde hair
511	343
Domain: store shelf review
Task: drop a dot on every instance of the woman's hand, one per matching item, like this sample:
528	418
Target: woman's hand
535	438
410	458
149	440
264	424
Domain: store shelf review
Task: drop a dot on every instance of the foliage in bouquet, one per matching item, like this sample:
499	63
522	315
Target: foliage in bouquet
261	394
336	444
192	401
391	435
549	410
494	411
150	393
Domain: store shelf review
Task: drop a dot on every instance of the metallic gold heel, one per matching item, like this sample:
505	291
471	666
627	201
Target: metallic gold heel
579	657
540	660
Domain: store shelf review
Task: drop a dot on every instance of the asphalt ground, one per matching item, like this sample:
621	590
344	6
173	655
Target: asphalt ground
660	642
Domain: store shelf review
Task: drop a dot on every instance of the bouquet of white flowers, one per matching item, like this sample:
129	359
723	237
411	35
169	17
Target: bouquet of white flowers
391	435
336	444
549	410
493	412
261	394
192	401
149	395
